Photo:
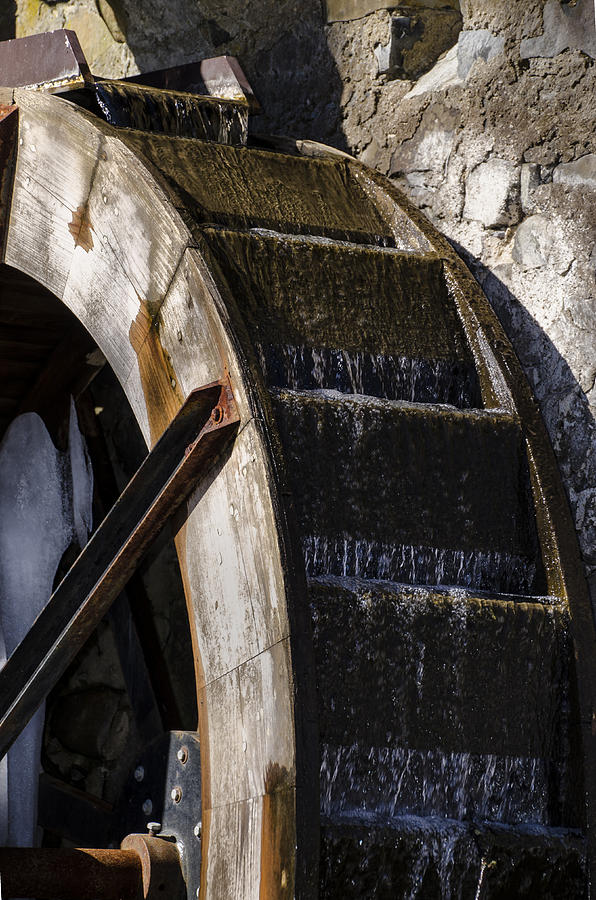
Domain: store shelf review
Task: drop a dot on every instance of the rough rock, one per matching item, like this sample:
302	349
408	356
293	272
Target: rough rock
565	26
415	40
347	10
580	172
473	45
533	242
492	193
529	183
443	74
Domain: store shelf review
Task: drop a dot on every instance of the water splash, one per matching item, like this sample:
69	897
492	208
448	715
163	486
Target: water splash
397	781
375	374
353	557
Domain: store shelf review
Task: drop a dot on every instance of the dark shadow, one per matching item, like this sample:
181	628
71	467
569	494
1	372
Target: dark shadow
8	14
294	77
563	405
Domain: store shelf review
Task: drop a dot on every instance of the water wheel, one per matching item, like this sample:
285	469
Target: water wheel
393	643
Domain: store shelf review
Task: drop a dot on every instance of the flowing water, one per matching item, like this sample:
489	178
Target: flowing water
375	374
171	112
353	557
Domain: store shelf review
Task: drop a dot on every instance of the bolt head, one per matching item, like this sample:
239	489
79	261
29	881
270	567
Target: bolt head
176	794
147	807
139	773
198	829
153	827
182	755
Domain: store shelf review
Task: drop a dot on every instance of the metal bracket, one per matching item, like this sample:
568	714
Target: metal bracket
163	796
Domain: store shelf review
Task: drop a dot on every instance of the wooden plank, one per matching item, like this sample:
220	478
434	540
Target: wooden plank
54	173
67	372
186	451
241	704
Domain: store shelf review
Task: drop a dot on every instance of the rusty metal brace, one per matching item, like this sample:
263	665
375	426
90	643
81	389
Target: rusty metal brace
145	868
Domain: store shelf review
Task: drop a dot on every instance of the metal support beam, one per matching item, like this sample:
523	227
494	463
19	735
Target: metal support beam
71	874
184	454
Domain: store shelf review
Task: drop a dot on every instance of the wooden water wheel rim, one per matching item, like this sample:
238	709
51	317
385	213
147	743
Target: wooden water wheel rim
150	301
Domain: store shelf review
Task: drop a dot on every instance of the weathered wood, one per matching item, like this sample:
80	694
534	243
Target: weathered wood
88	224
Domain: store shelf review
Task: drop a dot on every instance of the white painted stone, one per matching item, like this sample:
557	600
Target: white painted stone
473	45
581	172
566	27
492	193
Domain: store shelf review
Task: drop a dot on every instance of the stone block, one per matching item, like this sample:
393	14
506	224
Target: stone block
415	41
473	45
347	10
443	74
534	242
493	193
581	172
566	26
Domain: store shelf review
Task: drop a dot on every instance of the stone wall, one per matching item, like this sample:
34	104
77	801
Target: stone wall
482	111
496	143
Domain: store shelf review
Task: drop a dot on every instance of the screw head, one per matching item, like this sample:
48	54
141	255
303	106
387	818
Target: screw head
176	794
198	829
139	773
147	807
182	755
153	827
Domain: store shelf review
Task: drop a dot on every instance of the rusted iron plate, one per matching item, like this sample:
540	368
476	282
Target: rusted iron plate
51	62
71	874
166	779
186	451
8	153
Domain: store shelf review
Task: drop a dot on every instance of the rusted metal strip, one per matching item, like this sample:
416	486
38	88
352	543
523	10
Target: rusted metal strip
221	77
71	874
186	452
51	61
